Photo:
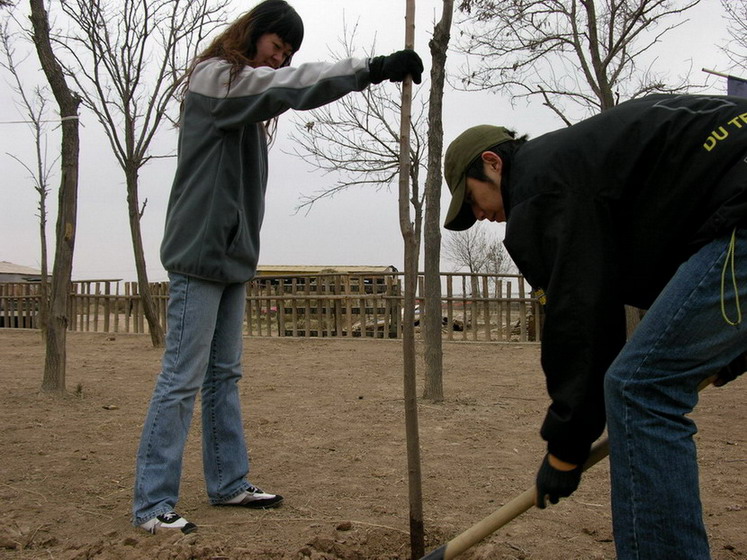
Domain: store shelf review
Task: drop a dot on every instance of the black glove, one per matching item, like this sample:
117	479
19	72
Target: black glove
555	484
395	67
732	371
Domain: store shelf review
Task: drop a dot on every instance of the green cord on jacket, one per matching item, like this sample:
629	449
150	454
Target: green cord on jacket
729	261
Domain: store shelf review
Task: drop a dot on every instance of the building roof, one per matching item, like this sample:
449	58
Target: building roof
279	270
10	268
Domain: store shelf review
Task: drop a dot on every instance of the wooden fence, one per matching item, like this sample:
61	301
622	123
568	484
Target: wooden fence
474	307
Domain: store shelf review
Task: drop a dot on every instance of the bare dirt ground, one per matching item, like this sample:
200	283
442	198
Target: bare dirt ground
325	425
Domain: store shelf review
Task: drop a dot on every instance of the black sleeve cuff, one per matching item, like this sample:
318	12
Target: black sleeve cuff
376	69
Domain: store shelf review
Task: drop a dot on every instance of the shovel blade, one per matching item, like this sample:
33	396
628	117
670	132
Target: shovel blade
438	554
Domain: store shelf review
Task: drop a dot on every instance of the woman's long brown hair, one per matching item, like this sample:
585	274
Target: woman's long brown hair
237	45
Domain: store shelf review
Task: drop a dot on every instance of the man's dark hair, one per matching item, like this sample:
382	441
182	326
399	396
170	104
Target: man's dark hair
505	150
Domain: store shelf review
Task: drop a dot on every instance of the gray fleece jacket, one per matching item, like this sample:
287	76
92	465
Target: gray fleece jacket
216	206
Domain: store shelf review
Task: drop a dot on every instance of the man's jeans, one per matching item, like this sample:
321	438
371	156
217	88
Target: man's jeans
203	350
650	388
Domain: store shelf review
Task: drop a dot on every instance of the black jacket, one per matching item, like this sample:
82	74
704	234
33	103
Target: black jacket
601	214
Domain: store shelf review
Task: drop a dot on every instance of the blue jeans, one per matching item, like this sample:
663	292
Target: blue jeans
203	351
651	387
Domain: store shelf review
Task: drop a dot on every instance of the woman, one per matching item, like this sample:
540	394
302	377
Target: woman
233	92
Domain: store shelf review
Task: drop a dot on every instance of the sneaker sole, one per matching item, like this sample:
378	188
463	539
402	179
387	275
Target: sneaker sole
258	504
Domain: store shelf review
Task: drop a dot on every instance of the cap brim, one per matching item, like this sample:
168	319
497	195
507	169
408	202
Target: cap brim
459	216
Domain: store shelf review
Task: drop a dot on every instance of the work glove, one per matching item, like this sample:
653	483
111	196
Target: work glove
555	484
732	371
395	67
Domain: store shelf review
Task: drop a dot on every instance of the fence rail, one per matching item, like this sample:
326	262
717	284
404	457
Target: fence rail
473	306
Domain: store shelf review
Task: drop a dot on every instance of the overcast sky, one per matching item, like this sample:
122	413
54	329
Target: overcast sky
357	227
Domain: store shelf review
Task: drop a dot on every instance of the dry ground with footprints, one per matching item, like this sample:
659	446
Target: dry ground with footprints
325	425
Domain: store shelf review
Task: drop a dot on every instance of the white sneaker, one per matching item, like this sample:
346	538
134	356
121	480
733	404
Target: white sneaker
254	498
170	520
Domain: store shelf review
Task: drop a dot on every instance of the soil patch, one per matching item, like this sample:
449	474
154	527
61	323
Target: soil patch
324	421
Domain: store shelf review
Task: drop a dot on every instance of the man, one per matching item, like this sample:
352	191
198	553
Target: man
645	205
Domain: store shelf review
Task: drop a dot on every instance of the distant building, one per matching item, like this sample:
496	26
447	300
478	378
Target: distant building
19	287
302	270
10	272
300	275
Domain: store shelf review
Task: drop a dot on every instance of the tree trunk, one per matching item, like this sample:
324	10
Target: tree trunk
43	317
146	299
68	101
434	389
417	537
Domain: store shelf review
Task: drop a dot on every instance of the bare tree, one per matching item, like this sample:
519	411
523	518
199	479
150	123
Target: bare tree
68	102
357	136
433	354
570	53
34	108
357	139
736	25
129	58
477	250
411	237
480	251
499	261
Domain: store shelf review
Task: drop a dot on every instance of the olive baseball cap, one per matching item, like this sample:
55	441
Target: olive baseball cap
463	150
